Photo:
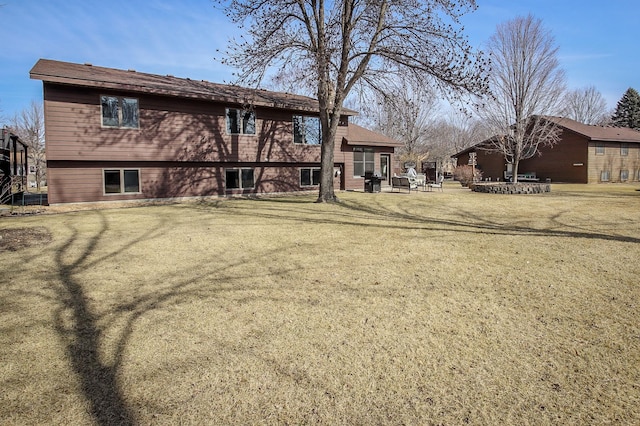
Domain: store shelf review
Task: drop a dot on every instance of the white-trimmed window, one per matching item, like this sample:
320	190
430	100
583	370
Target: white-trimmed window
307	130
120	112
624	149
309	176
240	122
624	175
599	148
121	181
239	178
363	161
605	176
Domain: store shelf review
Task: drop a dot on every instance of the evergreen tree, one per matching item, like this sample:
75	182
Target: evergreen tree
627	113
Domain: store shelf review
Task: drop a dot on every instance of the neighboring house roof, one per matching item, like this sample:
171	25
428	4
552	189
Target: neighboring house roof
358	135
598	133
475	146
86	75
591	132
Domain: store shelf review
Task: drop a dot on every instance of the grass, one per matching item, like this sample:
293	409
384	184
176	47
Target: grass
423	308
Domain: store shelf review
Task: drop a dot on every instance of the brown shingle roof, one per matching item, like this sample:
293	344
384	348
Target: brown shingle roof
591	132
131	81
358	135
598	133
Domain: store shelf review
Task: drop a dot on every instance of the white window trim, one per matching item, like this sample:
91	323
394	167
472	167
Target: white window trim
239	169
119	126
311	169
304	143
364	151
226	127
624	149
121	170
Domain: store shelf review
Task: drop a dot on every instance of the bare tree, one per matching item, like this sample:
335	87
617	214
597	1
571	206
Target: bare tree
29	126
586	105
460	131
526	83
404	110
332	46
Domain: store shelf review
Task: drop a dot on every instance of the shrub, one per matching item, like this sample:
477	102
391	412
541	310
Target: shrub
464	174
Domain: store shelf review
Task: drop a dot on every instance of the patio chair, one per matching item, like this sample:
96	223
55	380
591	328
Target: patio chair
437	184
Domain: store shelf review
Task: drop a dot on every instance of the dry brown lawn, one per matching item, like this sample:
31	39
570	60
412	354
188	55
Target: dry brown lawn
424	308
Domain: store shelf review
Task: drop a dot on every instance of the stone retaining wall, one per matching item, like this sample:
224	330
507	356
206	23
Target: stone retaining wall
512	188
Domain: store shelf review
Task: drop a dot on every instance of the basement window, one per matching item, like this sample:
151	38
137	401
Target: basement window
119	181
239	178
309	176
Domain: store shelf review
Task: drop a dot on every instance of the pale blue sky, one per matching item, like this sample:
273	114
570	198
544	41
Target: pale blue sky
598	40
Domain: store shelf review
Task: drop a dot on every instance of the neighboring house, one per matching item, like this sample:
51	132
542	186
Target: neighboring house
121	135
584	154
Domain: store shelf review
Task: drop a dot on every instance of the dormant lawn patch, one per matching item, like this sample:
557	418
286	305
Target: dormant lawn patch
422	308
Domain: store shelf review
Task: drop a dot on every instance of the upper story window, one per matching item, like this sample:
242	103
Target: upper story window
599	148
120	112
306	130
624	149
240	122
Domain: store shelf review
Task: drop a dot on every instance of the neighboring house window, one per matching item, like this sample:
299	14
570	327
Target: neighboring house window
119	181
624	149
624	175
599	149
604	176
120	112
309	176
239	178
241	122
363	161
306	130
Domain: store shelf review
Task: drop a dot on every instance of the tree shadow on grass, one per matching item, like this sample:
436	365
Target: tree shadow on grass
360	212
78	329
82	329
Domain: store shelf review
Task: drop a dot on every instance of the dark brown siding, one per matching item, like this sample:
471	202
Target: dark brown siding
181	148
567	161
170	129
357	182
73	182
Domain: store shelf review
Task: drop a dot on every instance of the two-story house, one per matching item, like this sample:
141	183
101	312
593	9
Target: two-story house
120	135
